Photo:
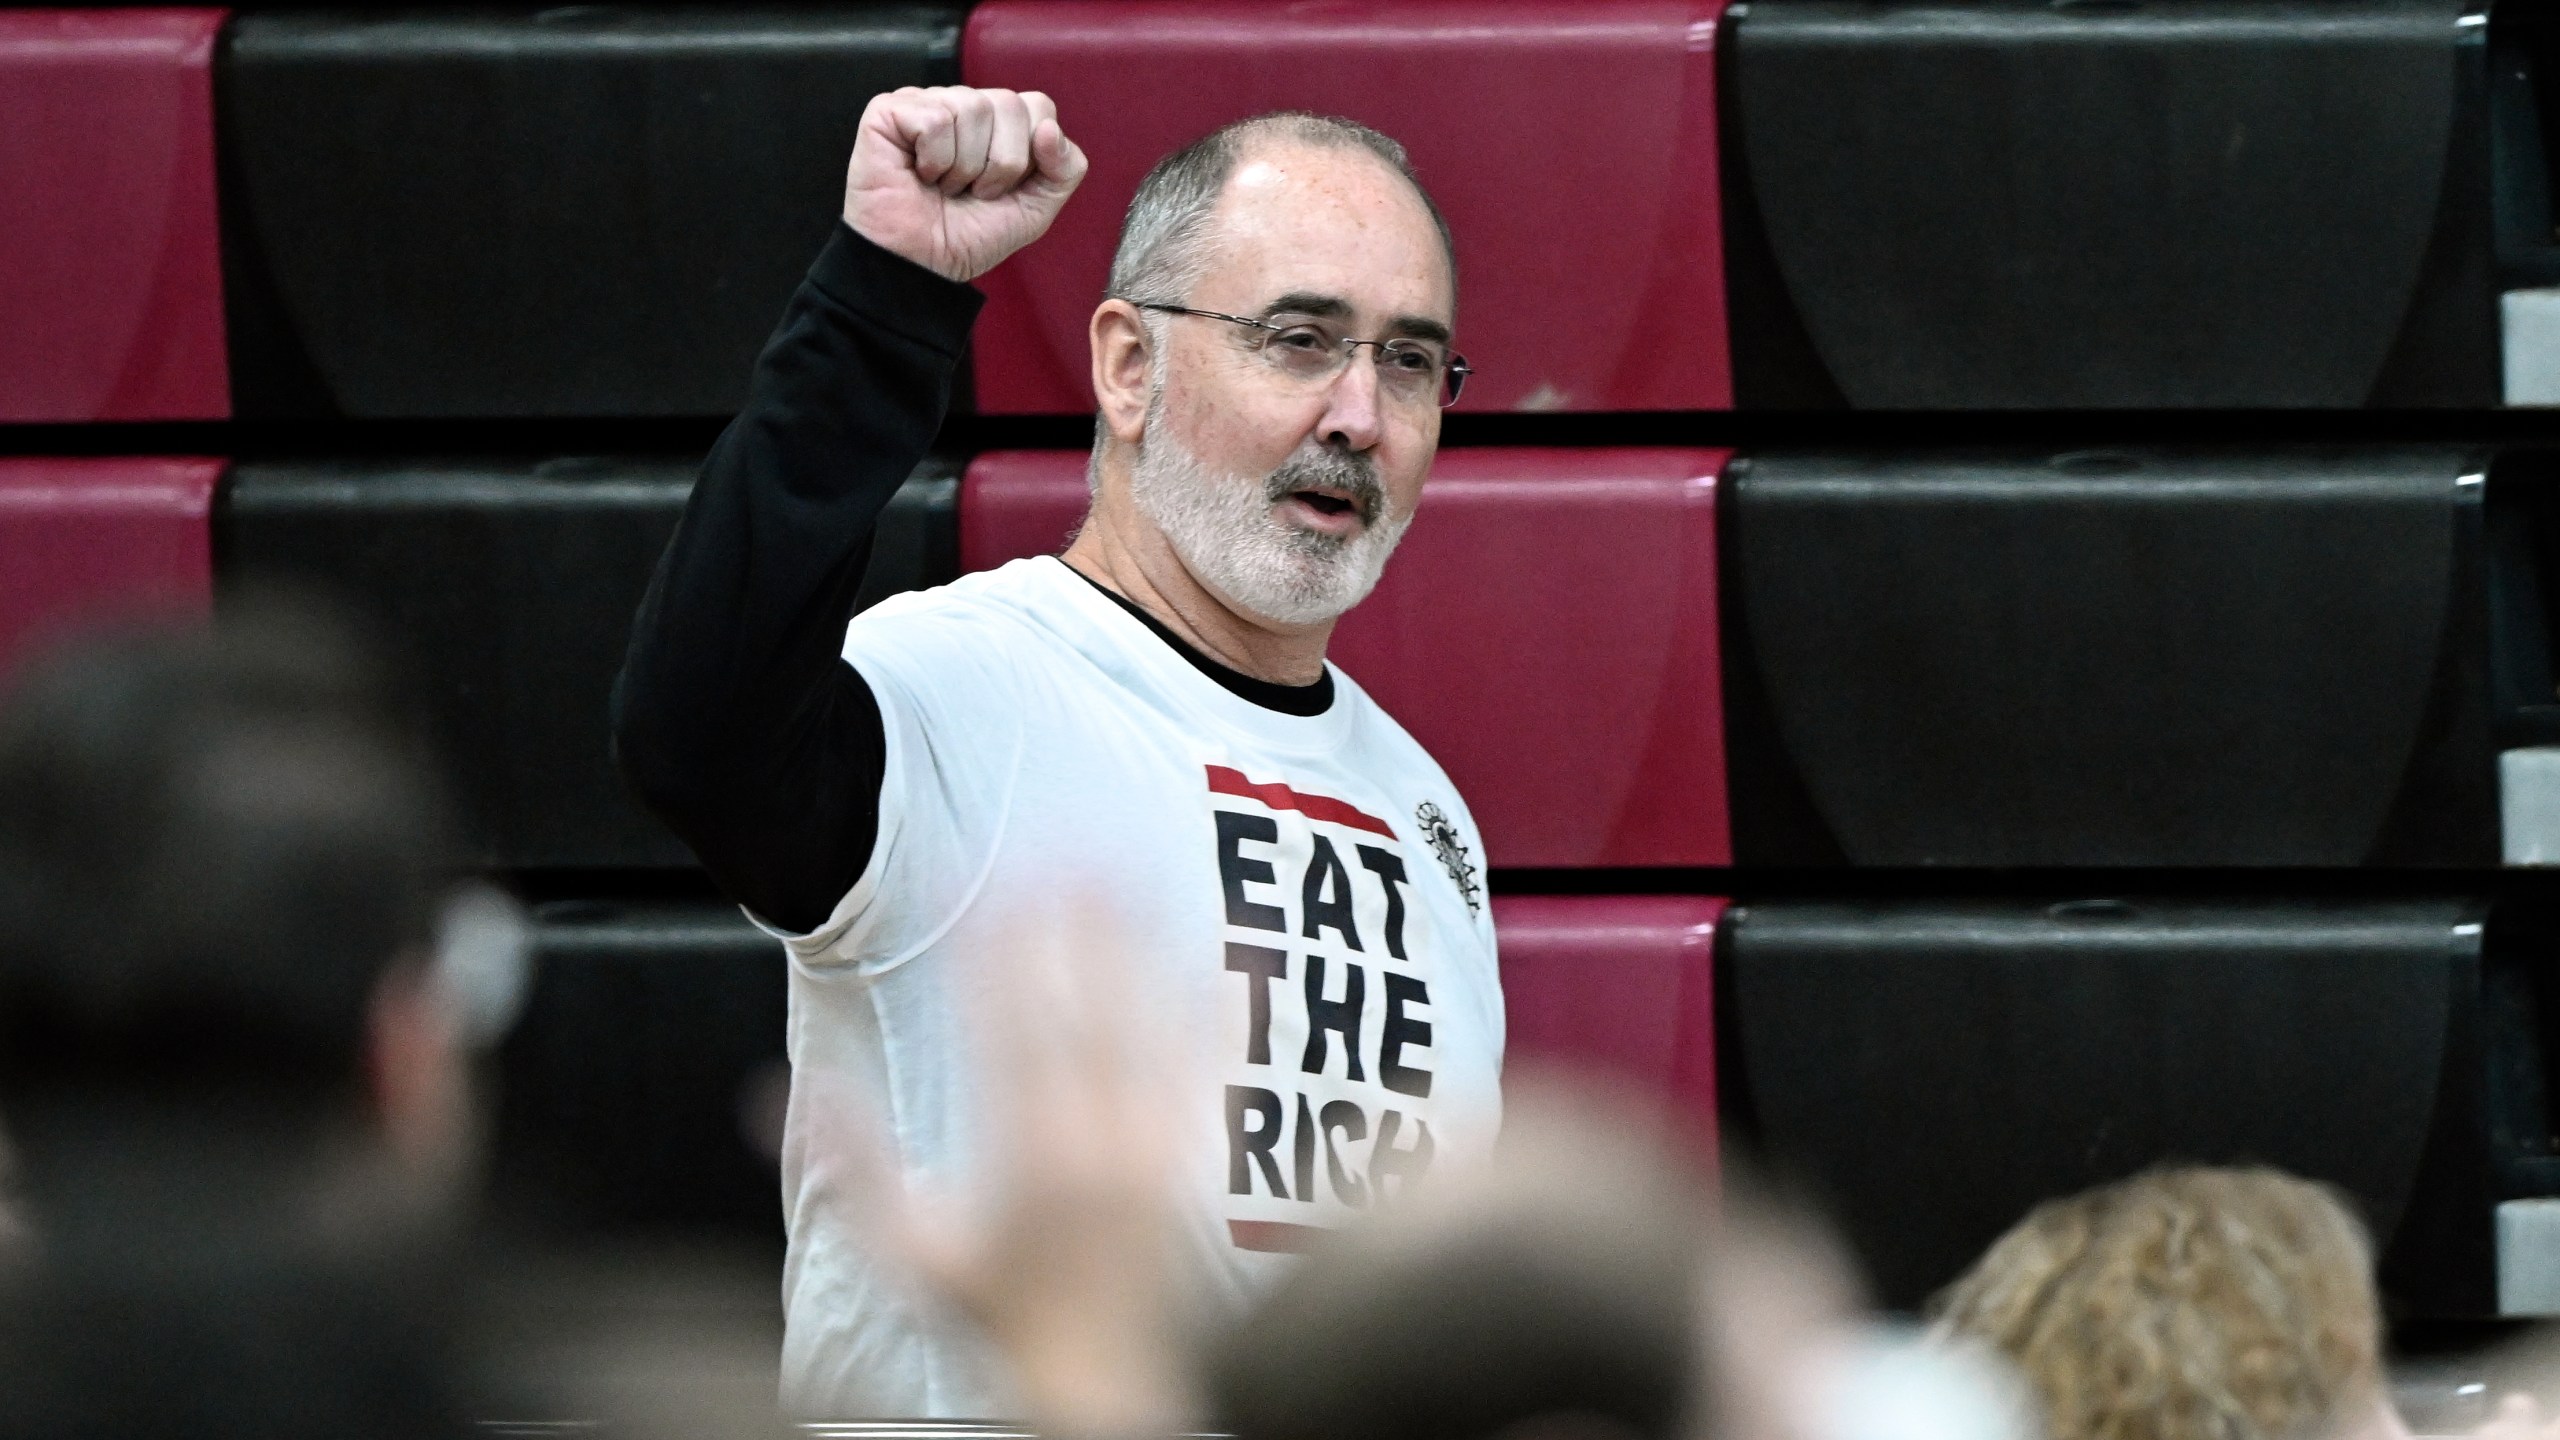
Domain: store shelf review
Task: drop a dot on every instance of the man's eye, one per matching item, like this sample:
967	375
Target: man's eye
1302	338
1412	361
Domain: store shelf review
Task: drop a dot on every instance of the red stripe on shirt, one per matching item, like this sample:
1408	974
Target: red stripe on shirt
1223	781
1273	1237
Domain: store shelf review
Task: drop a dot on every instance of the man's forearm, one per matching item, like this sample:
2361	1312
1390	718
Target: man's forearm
735	718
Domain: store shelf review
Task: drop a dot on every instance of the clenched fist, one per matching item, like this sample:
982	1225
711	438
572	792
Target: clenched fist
957	179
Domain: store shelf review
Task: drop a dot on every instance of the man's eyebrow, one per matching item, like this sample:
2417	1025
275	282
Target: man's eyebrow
1334	307
1309	304
1418	327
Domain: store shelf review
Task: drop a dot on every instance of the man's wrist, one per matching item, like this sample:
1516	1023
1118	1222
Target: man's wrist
894	292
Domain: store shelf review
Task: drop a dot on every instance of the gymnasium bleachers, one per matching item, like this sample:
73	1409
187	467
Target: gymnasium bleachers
90	538
642	1085
1487	641
110	271
2173	658
1938	1067
1984	205
457	295
1606	107
508	588
1619	988
580	210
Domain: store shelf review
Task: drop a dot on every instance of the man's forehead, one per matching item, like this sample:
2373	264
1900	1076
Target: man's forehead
1335	222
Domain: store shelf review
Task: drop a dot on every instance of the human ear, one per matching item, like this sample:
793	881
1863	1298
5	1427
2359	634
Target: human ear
414	1066
1122	360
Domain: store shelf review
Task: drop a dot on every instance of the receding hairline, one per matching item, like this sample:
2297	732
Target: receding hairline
1177	244
1257	144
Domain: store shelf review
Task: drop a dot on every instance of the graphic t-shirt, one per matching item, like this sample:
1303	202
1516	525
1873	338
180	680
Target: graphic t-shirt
1303	895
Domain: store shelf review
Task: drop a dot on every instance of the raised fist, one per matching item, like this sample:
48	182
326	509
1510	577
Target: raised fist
957	179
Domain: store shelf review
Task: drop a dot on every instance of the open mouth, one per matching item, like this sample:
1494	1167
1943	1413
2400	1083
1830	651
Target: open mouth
1323	502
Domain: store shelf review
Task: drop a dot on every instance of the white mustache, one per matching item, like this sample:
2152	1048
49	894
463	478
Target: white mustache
1356	475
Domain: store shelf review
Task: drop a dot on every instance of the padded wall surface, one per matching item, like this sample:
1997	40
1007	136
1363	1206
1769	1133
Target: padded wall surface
2137	658
1547	630
508	589
650	1045
2214	203
1618	987
578	210
110	263
84	541
1937	1069
1599	109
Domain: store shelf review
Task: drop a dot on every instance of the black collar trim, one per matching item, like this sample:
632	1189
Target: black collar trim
1312	699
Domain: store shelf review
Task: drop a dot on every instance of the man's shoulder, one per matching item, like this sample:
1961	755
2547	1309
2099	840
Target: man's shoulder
1389	750
985	600
1379	733
987	624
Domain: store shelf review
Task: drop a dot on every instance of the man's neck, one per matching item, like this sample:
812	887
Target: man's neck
1120	551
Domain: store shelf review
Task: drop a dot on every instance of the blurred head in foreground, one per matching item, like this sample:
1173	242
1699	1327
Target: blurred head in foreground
220	867
1799	1355
226	1071
2186	1304
1556	1293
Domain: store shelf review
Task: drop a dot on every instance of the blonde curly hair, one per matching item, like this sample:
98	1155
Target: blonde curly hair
2182	1304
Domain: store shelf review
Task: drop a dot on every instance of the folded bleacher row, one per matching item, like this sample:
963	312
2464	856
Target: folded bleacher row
1657	673
598	209
1626	657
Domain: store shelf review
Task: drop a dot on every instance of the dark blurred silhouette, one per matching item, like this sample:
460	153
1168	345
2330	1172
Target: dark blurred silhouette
227	1069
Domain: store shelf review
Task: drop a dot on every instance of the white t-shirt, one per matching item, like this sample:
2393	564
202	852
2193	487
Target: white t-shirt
1305	893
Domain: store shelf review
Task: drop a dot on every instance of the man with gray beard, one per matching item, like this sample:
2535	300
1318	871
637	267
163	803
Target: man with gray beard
1142	732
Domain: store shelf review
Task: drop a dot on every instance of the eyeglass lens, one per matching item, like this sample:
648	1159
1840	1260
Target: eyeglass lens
1408	369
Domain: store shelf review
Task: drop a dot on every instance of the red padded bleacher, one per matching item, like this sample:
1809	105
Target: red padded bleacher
87	540
1571	144
1547	631
110	265
1620	987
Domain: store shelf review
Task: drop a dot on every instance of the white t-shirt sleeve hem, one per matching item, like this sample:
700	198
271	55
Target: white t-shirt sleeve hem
906	898
817	948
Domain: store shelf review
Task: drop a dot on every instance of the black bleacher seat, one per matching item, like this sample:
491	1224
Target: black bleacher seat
580	210
1936	1068
2093	203
646	1061
2146	657
506	589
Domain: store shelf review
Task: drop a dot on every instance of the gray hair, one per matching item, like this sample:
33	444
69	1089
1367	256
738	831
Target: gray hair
1165	240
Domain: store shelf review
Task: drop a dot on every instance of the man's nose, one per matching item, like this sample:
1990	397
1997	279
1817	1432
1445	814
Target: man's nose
1351	415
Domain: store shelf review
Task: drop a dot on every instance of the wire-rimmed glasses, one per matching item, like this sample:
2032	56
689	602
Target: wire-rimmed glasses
1410	370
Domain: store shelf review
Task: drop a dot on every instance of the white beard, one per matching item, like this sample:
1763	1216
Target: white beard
1222	527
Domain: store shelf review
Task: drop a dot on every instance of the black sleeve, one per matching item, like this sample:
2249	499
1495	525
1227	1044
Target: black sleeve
736	718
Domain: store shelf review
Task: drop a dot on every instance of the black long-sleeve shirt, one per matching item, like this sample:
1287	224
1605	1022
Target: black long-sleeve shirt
736	718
